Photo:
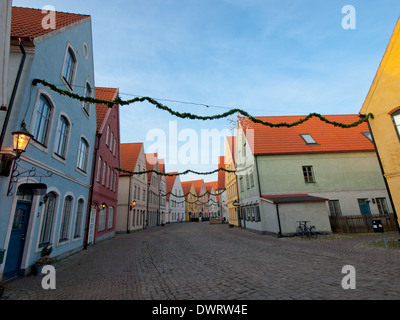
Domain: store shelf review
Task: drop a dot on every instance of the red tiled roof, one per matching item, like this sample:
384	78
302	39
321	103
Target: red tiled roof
129	155
108	94
151	160
186	186
27	22
170	181
197	186
267	140
210	185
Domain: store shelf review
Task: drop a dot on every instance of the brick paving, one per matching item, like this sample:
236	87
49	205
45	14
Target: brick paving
199	261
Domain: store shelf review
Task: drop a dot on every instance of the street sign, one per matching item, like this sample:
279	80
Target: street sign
377	225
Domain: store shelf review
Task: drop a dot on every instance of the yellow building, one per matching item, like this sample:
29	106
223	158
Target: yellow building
231	183
191	210
383	101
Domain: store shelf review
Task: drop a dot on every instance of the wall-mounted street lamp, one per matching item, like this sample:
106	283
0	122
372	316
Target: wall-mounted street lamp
21	139
103	206
132	205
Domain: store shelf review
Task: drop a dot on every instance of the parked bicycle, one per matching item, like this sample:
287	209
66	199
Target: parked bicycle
303	230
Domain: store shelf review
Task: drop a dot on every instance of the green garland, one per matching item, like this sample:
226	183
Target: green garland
173	174
187	115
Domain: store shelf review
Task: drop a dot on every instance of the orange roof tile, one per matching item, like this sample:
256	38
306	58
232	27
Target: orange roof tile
129	156
266	140
197	186
151	160
27	22
108	94
186	186
170	181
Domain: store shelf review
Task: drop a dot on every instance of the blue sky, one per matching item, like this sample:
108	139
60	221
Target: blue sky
268	57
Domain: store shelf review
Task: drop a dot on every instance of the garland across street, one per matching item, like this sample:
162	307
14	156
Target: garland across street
187	115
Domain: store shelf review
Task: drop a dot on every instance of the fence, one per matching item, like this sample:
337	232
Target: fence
361	224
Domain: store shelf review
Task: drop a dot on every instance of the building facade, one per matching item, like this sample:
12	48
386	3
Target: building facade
132	191
104	192
231	183
383	102
44	200
311	163
153	190
175	199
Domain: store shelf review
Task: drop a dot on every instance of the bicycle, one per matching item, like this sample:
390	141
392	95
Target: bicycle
303	230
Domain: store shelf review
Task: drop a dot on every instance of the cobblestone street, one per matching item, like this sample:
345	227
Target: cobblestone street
199	261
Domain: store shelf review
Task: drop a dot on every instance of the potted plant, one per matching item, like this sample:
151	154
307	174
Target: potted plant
44	259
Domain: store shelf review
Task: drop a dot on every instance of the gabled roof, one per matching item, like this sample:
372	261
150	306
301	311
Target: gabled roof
210	186
151	161
186	187
170	181
27	22
129	156
197	186
264	140
232	147
108	94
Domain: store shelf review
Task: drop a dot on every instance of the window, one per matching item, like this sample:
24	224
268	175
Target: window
382	205
62	137
396	120
87	94
308	139
115	143
308	174
83	155
99	170
69	67
334	208
110	222
66	219
103	182
78	219
241	184
42	120
111	140
108	135
102	219
48	217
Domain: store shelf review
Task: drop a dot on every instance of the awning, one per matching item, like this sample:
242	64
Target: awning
39	189
293	198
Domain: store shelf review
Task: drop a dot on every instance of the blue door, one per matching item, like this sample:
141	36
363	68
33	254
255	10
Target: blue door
17	240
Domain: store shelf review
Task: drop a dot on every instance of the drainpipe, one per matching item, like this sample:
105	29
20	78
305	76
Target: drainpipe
279	221
14	93
384	177
129	204
91	191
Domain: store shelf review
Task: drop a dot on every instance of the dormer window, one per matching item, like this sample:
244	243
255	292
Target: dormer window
308	139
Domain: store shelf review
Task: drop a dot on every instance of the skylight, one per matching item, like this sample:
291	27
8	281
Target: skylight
308	139
368	135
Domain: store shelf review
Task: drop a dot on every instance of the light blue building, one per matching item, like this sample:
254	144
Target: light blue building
44	200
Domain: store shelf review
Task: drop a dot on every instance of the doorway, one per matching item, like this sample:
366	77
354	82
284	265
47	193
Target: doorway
17	242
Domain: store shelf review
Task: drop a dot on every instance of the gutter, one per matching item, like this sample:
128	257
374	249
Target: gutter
14	93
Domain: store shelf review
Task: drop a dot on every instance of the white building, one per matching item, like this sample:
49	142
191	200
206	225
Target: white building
175	199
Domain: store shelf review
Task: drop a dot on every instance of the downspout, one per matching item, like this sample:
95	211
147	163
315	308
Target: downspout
14	93
279	221
91	191
129	204
384	177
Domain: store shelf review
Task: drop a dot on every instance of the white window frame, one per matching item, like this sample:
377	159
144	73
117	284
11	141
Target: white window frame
69	49
86	164
62	158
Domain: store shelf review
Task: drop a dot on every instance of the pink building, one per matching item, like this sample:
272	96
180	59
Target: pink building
104	191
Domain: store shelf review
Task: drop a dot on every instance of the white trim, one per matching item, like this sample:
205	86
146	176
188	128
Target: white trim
55	155
88	156
68	240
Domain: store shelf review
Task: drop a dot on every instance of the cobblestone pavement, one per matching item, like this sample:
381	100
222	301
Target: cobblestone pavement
199	261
